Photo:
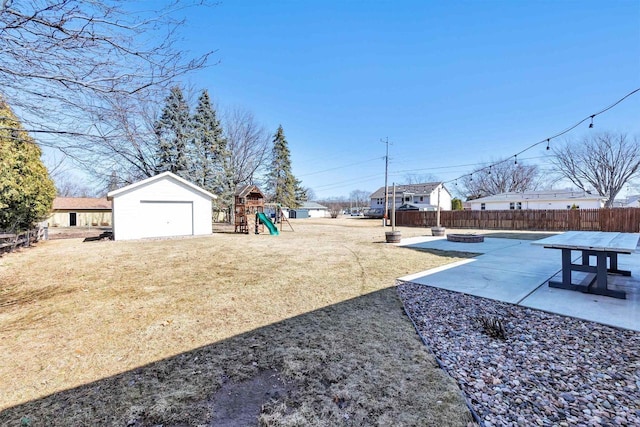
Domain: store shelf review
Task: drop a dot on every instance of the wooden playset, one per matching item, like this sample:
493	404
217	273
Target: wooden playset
249	201
250	212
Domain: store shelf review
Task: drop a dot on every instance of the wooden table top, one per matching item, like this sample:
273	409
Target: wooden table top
593	240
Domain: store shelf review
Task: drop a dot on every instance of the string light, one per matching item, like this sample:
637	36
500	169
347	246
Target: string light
490	169
567	130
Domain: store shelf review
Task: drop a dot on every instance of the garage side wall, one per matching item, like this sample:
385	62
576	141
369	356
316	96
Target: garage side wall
137	213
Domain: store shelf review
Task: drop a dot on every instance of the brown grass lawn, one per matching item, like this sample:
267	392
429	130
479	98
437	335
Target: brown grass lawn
304	328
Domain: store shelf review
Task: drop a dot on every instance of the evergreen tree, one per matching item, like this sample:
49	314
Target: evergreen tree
26	190
300	192
173	133
281	183
210	165
456	204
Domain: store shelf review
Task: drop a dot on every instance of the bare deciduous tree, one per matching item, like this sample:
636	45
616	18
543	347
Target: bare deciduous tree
603	162
311	194
412	178
336	205
248	144
501	177
359	198
76	71
67	184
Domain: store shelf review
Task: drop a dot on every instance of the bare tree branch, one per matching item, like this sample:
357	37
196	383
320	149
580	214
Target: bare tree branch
72	70
602	162
248	143
502	177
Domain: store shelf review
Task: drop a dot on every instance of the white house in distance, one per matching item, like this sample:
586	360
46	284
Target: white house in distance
548	199
414	197
628	202
309	210
161	206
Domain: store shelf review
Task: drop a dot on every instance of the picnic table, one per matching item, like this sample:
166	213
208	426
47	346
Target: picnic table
604	246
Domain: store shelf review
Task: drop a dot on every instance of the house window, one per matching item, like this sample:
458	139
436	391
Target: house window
407	199
519	205
512	205
421	199
483	206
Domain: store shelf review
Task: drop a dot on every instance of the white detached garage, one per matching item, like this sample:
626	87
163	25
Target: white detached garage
161	206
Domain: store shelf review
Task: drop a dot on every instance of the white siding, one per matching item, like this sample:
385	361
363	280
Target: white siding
317	213
159	208
431	199
445	199
504	205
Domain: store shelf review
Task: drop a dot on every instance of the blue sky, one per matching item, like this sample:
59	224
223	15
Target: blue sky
449	83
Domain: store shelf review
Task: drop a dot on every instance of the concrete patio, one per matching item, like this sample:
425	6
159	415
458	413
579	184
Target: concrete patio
517	272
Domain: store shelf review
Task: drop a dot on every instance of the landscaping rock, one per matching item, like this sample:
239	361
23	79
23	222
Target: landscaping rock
549	369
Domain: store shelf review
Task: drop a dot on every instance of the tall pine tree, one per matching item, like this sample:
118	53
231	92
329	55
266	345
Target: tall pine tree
210	159
282	185
173	133
26	190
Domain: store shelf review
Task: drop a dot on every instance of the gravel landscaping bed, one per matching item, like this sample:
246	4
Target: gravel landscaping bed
549	370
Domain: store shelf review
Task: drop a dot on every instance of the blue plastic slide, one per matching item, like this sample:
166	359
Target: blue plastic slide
266	221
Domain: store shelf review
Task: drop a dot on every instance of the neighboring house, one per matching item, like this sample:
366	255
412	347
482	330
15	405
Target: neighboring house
161	206
548	199
80	212
309	210
419	194
417	207
629	202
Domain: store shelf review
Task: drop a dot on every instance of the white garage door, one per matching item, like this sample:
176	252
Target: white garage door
164	219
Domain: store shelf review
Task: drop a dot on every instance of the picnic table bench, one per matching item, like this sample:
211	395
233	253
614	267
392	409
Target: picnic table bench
604	246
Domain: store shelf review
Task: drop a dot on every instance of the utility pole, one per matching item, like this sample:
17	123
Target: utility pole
386	188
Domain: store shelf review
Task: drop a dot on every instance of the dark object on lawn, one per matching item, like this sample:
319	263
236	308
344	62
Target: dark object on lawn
107	235
492	326
465	238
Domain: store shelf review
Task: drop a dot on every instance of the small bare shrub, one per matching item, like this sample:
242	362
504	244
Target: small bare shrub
492	326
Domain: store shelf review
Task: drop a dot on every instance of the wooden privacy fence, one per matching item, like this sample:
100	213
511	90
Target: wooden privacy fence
625	220
10	241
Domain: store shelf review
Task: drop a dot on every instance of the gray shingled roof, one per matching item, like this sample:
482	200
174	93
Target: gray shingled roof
417	189
540	195
311	205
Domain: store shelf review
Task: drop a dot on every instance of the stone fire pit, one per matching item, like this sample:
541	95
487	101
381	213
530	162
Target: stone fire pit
465	238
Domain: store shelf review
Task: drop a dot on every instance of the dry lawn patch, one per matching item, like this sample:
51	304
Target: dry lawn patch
147	332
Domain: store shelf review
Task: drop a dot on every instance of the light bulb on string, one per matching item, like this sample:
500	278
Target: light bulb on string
547	143
516	159
490	169
591	124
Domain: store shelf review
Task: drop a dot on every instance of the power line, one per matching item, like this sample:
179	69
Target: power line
346	182
548	140
339	167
